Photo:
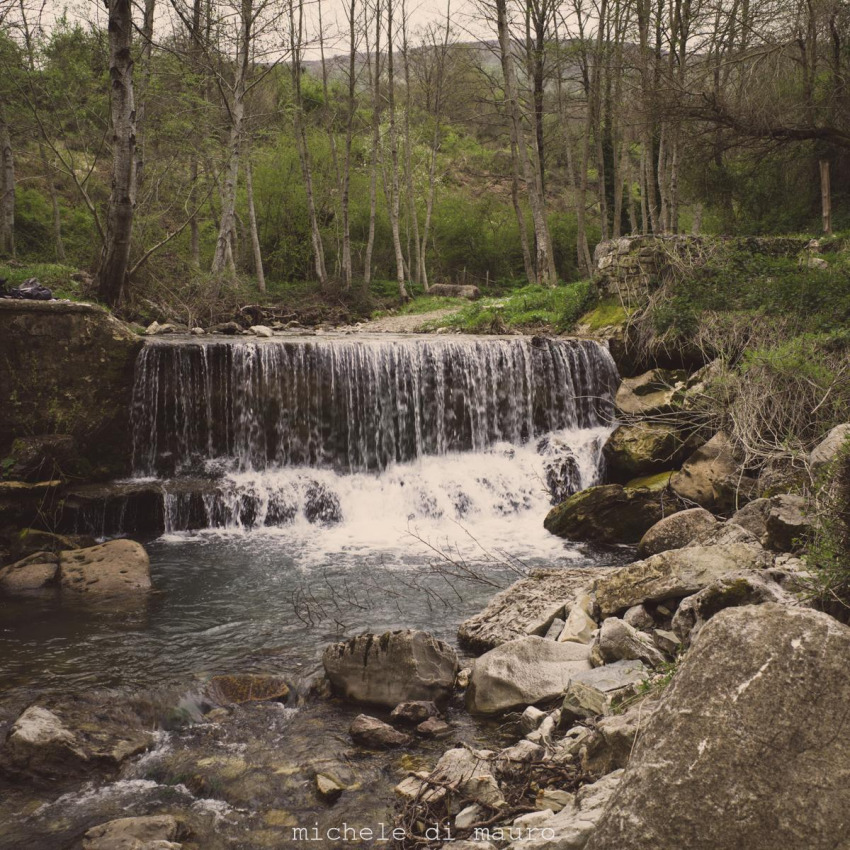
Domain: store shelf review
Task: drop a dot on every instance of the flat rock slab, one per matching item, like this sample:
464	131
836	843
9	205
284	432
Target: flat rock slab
749	746
596	691
528	607
674	574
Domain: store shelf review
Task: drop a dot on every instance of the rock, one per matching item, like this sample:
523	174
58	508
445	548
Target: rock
787	527
554	631
329	789
650	393
433	727
373	733
227	328
639	617
154	832
68	370
44	457
568	747
754	723
530	820
152	329
734	589
197	331
391	668
416	789
618	641
600	690
528	607
462	678
472	845
238	689
711	477
571	828
553	799
642	449
675	531
321	505
450	290
414	712
522	672
469	815
116	568
468	773
723	534
610	744
674	574
73	736
520	753
261	331
608	513
828	449
668	642
753	518
543	733
34	573
580	625
531	718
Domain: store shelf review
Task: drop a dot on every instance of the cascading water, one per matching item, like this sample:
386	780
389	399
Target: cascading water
344	431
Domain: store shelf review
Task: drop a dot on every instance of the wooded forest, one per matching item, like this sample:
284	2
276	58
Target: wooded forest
350	144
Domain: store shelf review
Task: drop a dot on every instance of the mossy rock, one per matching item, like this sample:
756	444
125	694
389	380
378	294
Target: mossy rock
655	483
609	514
642	449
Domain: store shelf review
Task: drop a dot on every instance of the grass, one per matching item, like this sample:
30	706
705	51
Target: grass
530	308
422	304
604	315
54	276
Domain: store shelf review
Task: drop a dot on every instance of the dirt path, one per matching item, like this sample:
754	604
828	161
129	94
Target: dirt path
405	324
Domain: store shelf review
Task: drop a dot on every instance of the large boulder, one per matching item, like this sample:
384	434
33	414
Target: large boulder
749	745
674	574
609	513
712	478
675	531
734	589
116	568
828	449
779	523
528	607
650	393
641	449
523	672
391	668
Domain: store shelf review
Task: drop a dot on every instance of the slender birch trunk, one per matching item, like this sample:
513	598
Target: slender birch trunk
375	80
255	236
7	189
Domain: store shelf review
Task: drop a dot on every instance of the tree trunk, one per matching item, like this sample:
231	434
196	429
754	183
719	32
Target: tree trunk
376	141
7	189
122	200
826	196
545	265
394	181
347	266
412	212
255	236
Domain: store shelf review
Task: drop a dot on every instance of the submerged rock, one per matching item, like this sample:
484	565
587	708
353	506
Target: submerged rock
375	734
244	688
391	668
609	513
748	746
522	672
155	832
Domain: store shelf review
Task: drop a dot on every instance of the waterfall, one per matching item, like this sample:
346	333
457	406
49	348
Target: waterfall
357	405
357	432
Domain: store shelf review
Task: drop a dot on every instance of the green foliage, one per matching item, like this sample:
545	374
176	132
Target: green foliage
529	308
605	314
828	558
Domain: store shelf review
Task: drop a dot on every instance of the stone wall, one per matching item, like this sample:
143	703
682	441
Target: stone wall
67	369
629	268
